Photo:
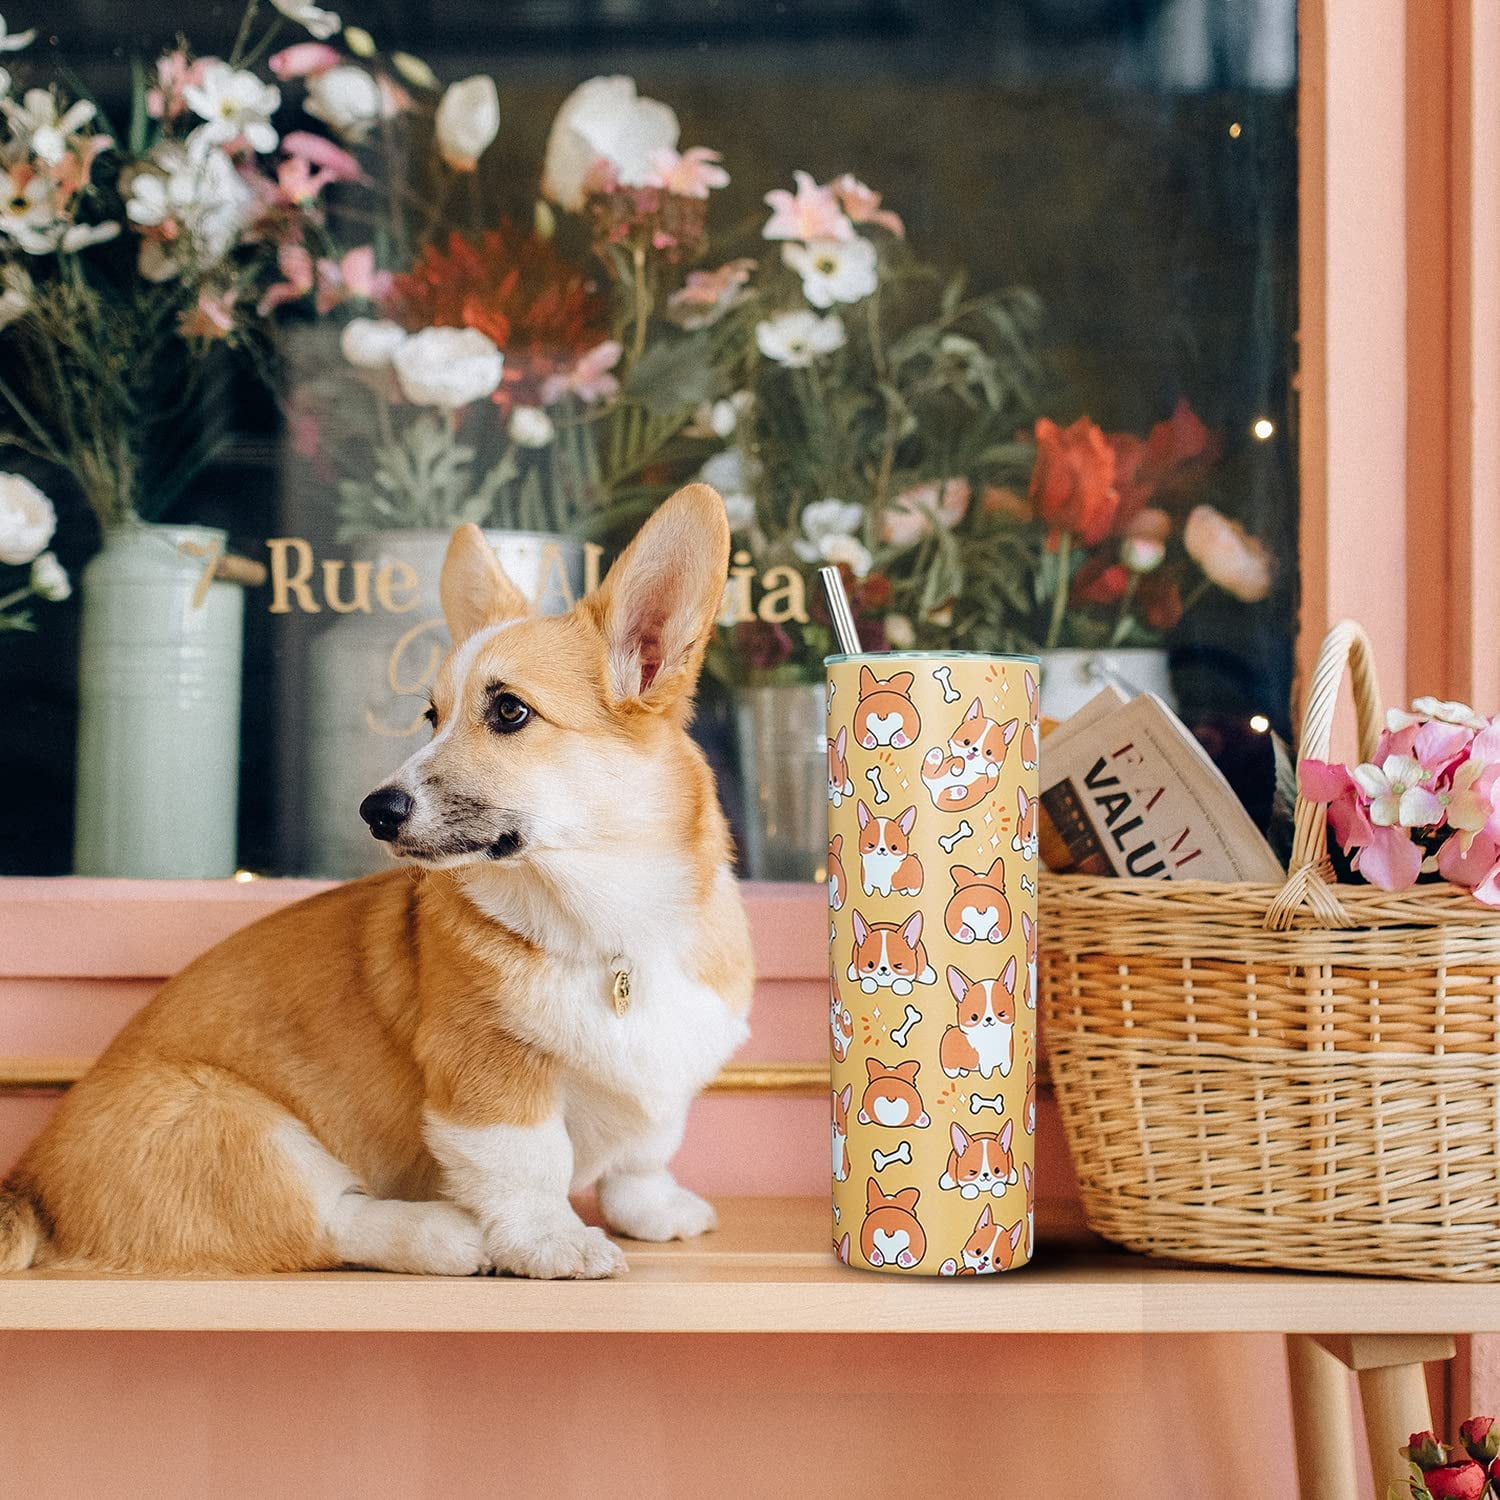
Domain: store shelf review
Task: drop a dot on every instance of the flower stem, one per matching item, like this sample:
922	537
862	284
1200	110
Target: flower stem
17	597
1122	623
642	303
1060	598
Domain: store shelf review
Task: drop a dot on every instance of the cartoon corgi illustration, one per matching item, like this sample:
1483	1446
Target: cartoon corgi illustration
891	1233
1029	932
839	784
1028	1109
984	1037
969	770
886	863
1024	843
838	888
1028	729
980	1163
841	1248
891	1098
840	1022
1030	1183
977	911
885	714
990	1248
890	955
841	1098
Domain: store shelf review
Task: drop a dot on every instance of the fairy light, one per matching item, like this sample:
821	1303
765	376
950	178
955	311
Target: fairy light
1263	428
1259	723
244	877
1235	131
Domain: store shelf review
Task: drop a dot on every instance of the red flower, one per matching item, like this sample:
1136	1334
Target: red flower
1160	600
1135	487
1100	581
1477	1437
1424	1450
763	644
1178	454
1073	480
1464	1480
542	311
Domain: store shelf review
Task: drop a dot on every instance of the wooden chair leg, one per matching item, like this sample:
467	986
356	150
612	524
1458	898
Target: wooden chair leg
1321	1421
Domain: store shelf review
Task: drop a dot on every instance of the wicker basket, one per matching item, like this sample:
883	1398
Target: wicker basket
1305	1075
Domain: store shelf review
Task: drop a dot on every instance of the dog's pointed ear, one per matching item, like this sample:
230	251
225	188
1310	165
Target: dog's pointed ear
475	591
658	605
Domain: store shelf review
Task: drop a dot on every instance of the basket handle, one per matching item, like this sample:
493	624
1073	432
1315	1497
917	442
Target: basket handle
1309	881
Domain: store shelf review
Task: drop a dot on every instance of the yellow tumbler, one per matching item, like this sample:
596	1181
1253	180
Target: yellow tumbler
932	870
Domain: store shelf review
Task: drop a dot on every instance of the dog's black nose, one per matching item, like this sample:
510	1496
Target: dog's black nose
385	810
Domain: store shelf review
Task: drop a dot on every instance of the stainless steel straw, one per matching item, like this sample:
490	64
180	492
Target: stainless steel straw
839	611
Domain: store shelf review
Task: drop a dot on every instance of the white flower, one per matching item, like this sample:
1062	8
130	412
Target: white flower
28	210
1397	794
828	535
27	520
833	270
448	367
1444	710
722	416
14	41
739	511
235	104
531	427
467	121
605	120
900	632
347	99
81	236
1141	554
17	292
371	343
198	202
1228	554
798	338
322	23
36	124
50	579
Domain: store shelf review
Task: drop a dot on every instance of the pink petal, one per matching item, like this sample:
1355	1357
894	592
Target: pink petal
1349	821
1397	742
1438	743
322	152
1488	889
303	60
1467	869
1322	781
1390	860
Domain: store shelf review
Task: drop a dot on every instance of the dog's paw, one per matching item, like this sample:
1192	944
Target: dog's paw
560	1252
656	1210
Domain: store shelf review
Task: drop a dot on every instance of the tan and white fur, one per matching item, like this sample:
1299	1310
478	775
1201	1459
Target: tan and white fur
886	864
983	1039
411	1072
980	1163
969	771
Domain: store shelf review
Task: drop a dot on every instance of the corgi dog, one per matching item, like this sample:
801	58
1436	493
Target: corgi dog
891	1098
891	1234
885	714
1030	1184
886	864
841	1101
1029	932
980	1163
412	1071
1028	729
977	911
989	1249
838	888
889	955
1024	842
839	783
968	772
983	1040
840	1022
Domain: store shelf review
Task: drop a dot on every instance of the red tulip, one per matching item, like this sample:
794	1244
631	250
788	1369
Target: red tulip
1464	1480
1073	481
1100	581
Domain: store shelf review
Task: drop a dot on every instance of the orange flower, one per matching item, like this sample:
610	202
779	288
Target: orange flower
1073	481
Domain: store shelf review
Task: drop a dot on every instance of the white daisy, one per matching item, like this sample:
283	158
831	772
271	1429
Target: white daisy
235	105
798	338
833	270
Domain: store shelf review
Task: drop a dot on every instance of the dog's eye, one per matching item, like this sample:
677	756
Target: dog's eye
431	716
508	713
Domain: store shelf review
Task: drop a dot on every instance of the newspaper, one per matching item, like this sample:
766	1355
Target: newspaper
1127	790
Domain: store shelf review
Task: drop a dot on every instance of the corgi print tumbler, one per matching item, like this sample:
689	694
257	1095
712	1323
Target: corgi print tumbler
932	871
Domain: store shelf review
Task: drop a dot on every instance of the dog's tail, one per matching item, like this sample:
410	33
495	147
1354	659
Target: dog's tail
21	1229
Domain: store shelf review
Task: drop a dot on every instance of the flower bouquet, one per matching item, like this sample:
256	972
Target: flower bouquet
1466	1470
1426	806
27	521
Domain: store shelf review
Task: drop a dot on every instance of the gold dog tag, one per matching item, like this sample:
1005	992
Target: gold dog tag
619	992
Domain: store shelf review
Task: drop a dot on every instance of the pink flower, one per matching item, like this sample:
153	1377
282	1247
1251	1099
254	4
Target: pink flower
1390	860
173	75
589	379
1399	792
689	174
296	265
297	183
811	213
911	515
862	204
321	152
352	278
303	60
212	318
1467	864
707	295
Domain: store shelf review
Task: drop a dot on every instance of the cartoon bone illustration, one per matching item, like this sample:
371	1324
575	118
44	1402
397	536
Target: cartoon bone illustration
978	1102
913	1015
1026	885
951	841
950	693
873	777
883	1159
